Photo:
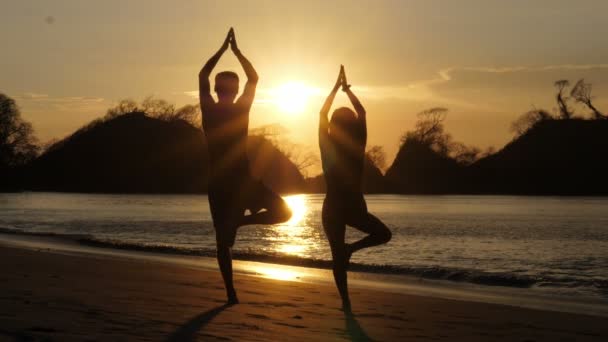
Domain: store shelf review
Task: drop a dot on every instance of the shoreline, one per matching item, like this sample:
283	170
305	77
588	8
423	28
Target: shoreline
70	296
454	194
391	283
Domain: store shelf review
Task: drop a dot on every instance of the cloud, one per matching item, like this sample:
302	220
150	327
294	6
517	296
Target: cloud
32	96
445	75
36	97
428	89
45	101
423	90
191	93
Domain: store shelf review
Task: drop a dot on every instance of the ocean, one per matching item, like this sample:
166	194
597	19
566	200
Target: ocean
556	245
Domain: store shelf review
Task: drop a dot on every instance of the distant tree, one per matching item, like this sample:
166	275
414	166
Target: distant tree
189	113
528	120
48	145
376	155
429	126
488	152
564	110
272	132
429	130
464	154
158	108
123	107
581	92
18	145
302	157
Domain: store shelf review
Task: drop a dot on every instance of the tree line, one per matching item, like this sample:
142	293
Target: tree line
580	94
19	145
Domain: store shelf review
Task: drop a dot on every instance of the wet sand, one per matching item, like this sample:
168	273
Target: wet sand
46	295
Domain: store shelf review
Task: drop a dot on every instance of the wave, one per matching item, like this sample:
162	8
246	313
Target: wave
64	236
428	272
452	274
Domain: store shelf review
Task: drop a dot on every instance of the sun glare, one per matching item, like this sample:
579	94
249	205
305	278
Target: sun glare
293	236
278	273
297	204
292	97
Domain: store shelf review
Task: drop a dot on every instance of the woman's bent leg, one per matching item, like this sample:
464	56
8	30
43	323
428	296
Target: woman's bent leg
378	233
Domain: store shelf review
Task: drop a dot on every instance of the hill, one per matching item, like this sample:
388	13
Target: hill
554	157
418	169
134	153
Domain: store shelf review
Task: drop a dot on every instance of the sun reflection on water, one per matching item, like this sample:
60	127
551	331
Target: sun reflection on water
289	248
294	236
297	204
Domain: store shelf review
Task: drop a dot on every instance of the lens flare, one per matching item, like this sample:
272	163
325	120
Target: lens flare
292	97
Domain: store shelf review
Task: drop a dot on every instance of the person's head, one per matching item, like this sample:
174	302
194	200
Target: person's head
226	86
342	125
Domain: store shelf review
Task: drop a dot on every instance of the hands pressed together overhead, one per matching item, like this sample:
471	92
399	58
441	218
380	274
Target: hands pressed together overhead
341	81
230	41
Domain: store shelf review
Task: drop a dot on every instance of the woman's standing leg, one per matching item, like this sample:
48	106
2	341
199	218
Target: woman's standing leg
335	229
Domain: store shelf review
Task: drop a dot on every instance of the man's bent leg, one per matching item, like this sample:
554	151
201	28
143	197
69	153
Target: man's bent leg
277	210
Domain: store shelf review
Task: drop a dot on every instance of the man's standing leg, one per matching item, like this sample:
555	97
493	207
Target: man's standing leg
224	259
225	235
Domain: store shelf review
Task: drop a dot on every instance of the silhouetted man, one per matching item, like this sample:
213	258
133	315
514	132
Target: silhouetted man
232	190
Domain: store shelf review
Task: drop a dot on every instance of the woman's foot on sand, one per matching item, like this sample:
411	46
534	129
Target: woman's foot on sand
349	253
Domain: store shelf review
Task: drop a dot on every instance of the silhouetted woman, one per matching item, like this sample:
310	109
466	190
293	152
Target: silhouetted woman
342	141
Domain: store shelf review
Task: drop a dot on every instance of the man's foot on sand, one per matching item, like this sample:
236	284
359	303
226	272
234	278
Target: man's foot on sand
347	308
232	298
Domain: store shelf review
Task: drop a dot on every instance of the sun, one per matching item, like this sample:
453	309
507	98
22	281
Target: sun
292	97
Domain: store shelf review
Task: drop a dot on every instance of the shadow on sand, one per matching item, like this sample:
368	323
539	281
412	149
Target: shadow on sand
354	330
189	331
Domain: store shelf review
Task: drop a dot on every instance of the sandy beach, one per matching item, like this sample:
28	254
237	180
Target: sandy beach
52	296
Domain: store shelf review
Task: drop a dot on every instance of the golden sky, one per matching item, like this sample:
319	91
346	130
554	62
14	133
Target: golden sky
488	61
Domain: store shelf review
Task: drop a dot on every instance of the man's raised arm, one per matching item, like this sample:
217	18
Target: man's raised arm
252	76
204	86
